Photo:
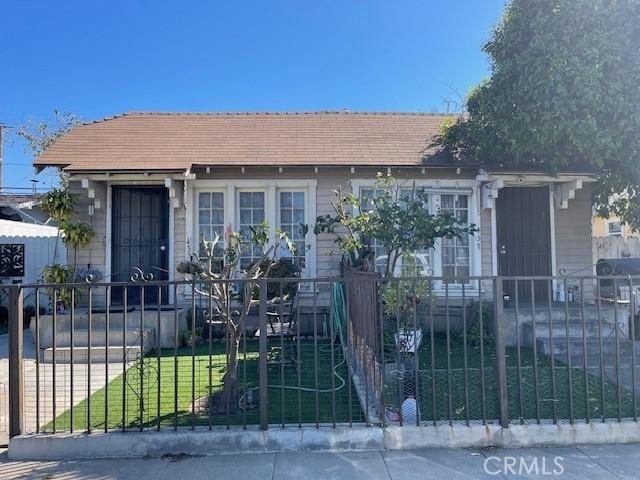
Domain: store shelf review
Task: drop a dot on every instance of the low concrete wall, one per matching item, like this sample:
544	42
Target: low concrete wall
516	436
149	444
98	320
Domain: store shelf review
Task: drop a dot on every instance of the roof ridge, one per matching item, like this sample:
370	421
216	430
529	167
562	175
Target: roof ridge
270	113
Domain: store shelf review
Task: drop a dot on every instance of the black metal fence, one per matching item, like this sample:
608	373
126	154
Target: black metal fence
356	350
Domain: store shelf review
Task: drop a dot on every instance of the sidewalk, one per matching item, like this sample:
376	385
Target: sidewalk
584	463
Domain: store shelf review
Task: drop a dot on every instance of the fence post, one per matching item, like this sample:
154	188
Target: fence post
16	378
501	357
263	371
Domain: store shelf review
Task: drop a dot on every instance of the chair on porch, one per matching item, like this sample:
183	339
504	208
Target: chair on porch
281	317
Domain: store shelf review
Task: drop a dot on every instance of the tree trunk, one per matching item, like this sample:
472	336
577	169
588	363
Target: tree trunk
231	375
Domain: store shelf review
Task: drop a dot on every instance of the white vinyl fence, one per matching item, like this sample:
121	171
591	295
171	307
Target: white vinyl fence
39	247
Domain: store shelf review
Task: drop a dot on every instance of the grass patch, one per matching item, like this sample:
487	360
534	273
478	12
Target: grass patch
449	384
150	388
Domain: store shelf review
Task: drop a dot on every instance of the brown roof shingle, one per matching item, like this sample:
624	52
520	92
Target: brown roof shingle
177	141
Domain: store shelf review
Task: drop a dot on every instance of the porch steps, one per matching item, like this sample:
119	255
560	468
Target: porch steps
137	342
563	336
611	354
559	328
81	354
99	337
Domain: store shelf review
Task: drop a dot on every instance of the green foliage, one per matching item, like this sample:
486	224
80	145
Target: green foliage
476	335
187	339
397	217
400	296
59	204
56	273
562	94
281	268
77	235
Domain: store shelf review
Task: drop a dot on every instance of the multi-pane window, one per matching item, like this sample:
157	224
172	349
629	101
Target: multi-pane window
367	203
291	222
455	252
251	214
422	257
211	221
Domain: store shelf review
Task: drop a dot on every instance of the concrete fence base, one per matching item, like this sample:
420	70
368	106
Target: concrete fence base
154	444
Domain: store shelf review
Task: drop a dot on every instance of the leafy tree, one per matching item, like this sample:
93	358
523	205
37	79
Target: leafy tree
398	219
564	93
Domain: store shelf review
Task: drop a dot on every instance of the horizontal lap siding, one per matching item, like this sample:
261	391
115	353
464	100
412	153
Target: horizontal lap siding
92	257
486	246
573	235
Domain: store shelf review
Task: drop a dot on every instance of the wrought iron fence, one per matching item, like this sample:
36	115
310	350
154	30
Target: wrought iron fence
354	350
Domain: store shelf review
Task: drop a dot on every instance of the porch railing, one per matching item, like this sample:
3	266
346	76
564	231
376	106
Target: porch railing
325	352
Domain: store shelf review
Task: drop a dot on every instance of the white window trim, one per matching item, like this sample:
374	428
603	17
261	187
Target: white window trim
607	233
443	187
271	188
308	221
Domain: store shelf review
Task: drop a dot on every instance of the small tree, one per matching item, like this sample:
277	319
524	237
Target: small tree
397	218
562	95
59	202
233	307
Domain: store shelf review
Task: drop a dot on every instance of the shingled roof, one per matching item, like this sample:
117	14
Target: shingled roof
179	141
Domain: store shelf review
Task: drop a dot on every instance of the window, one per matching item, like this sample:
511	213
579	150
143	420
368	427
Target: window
423	257
292	218
211	221
455	252
251	213
614	228
367	197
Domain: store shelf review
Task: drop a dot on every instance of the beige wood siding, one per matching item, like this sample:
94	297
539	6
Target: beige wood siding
92	257
573	235
486	246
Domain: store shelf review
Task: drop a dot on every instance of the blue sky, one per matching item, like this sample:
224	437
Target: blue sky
101	58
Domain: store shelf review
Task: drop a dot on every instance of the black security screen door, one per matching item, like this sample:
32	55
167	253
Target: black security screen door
139	239
524	238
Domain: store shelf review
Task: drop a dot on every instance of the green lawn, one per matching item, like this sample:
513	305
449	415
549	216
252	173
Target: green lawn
142	410
450	385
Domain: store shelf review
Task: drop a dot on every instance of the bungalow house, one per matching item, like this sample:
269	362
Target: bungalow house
152	183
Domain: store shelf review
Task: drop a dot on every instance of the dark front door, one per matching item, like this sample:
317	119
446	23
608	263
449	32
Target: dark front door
524	237
139	240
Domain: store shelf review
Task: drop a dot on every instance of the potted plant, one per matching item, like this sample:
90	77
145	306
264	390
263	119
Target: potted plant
400	298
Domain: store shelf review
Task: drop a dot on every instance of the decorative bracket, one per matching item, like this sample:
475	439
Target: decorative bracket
174	191
563	192
490	193
90	186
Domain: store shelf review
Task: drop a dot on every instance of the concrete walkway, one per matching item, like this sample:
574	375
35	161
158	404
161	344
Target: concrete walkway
583	463
63	385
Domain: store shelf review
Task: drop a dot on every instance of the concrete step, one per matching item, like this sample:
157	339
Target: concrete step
606	313
562	329
622	353
97	355
133	336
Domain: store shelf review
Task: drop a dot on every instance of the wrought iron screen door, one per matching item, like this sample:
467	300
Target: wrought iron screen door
139	239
